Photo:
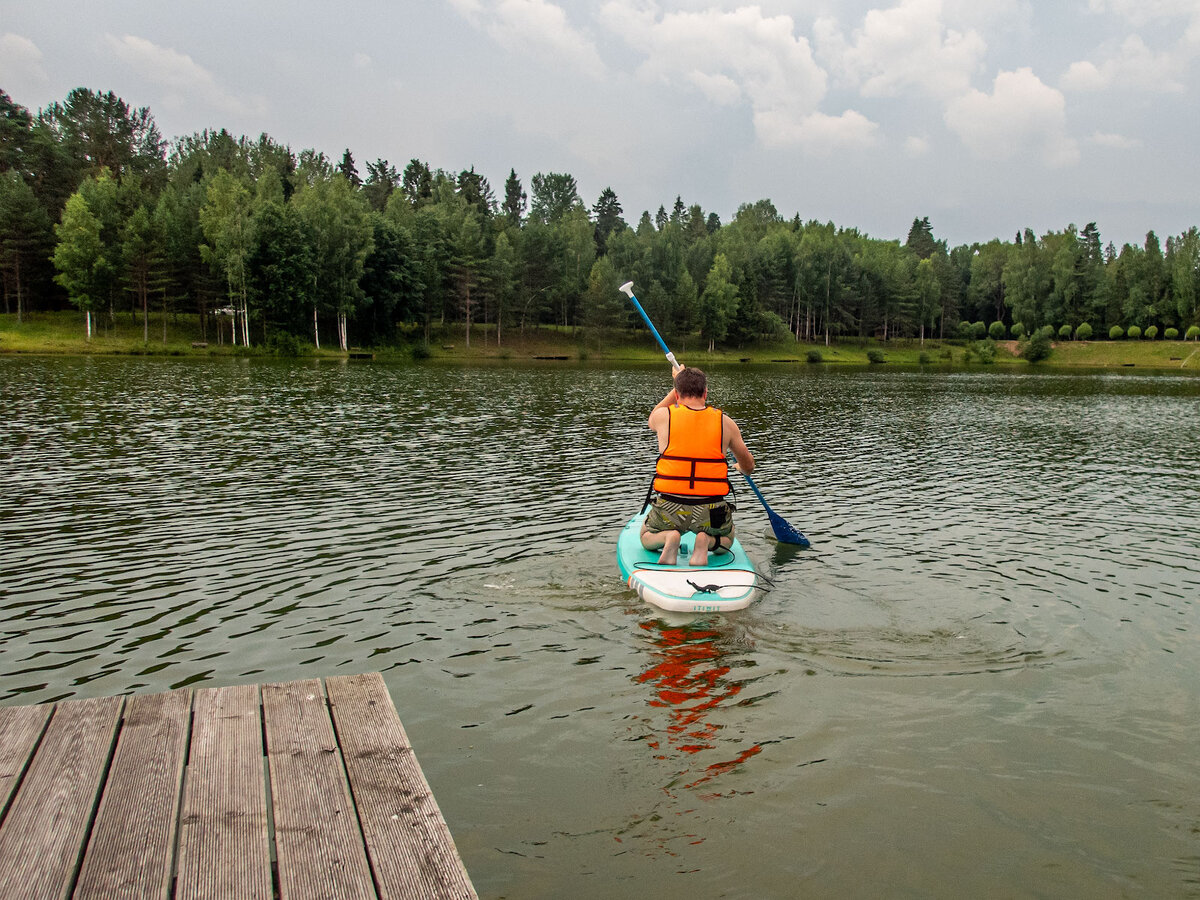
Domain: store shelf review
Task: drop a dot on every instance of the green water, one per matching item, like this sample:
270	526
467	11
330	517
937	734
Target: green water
983	680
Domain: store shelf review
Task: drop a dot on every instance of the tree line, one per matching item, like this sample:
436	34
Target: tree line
99	211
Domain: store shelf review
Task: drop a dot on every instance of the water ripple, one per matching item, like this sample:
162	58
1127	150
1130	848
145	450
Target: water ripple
1000	603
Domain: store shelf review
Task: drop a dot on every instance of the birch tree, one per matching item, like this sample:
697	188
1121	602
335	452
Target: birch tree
718	303
468	253
929	292
342	233
226	221
79	257
502	269
579	252
1184	266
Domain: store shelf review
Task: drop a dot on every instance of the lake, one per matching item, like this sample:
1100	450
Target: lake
982	680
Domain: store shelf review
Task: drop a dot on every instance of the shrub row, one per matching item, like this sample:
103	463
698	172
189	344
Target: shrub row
976	331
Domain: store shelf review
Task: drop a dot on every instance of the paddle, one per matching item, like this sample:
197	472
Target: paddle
784	532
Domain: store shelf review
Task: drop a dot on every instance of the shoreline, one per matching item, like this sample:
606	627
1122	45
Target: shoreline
61	334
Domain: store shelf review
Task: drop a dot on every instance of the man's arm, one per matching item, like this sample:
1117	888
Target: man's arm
745	460
672	399
659	422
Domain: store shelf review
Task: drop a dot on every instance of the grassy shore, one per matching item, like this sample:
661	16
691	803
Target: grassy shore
64	333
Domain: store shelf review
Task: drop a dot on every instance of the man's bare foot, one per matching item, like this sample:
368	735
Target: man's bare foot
670	550
702	546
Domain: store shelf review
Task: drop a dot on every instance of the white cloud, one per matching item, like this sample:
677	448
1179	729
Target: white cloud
916	145
1021	115
1132	65
1114	141
1084	76
907	46
21	69
533	26
186	82
817	132
740	55
718	88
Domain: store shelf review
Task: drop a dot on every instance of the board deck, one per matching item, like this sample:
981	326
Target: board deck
729	581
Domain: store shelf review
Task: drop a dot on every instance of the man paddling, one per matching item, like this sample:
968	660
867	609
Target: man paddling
691	475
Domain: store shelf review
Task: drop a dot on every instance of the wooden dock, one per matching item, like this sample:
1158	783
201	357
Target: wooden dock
295	790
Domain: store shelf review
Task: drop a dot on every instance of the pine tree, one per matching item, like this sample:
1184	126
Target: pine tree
417	182
920	239
607	214
382	181
347	168
24	236
514	199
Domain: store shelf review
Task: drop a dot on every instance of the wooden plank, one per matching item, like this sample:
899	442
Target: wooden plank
224	846
133	839
43	834
412	852
20	729
317	838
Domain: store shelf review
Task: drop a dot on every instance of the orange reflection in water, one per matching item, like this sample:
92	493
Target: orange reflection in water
690	676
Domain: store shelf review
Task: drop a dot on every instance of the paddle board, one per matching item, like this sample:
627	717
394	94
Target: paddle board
728	582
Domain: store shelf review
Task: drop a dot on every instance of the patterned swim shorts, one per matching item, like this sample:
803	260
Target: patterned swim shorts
715	518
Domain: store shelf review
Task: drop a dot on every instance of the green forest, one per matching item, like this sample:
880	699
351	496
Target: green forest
99	212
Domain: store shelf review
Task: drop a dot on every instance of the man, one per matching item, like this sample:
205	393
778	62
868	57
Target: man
691	475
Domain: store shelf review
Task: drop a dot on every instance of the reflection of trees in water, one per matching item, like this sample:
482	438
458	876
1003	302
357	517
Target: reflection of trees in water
690	676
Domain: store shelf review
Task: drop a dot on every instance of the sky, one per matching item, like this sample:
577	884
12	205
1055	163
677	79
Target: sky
987	116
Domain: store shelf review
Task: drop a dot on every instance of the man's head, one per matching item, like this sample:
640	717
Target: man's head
692	383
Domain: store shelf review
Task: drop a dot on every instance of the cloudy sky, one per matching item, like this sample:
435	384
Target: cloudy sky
988	116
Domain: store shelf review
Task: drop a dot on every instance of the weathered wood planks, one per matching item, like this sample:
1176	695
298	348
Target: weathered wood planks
317	836
133	838
224	842
21	728
43	833
411	850
233	792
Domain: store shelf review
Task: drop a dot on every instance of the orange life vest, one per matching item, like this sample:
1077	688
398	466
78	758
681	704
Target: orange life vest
693	463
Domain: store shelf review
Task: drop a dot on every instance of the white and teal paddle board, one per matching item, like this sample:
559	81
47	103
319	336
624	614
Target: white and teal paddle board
728	582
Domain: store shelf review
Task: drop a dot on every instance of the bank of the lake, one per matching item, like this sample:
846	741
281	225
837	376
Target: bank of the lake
63	333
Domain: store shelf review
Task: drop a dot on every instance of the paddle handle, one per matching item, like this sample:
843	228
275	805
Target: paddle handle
627	290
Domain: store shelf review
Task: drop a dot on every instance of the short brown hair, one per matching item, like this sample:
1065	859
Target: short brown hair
691	382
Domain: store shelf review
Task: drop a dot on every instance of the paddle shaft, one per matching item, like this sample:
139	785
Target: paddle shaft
754	487
627	289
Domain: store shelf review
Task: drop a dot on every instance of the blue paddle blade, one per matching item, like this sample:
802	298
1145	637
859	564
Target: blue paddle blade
785	533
